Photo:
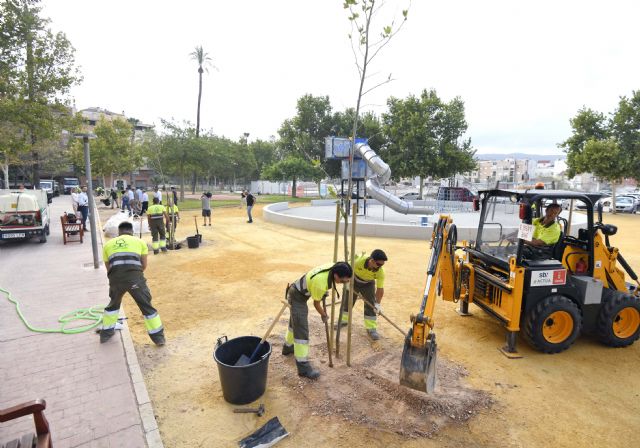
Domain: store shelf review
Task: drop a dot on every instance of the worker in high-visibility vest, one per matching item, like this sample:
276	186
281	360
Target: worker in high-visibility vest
125	258
156	217
315	284
368	282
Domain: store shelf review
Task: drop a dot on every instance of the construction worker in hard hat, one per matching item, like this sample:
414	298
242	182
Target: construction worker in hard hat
315	284
125	258
156	217
368	282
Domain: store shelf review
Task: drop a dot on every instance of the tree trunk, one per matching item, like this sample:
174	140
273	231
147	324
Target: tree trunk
293	188
5	171
613	198
421	187
182	181
199	98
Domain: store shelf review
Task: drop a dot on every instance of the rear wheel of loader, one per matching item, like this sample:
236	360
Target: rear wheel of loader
418	365
619	319
553	324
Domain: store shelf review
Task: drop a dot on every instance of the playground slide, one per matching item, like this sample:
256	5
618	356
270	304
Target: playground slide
380	174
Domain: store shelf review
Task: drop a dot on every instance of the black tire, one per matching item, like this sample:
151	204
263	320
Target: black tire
619	319
47	231
540	326
43	237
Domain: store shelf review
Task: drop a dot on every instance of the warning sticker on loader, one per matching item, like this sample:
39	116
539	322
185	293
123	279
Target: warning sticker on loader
525	232
546	278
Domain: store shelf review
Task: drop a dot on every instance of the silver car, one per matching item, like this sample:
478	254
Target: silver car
626	204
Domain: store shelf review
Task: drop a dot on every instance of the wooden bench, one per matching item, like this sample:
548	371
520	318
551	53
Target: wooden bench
42	437
71	229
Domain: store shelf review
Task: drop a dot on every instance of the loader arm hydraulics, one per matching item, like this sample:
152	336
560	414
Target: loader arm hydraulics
418	365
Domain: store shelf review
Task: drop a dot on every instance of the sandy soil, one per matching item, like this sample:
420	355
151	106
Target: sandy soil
587	396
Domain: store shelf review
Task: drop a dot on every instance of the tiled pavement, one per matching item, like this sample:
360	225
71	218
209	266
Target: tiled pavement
95	398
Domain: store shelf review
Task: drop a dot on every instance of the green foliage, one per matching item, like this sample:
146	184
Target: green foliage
608	148
425	137
292	168
36	71
264	154
112	152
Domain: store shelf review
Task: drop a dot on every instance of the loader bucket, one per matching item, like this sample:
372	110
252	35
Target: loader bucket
418	365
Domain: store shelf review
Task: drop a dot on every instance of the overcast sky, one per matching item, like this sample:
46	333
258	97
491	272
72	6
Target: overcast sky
523	68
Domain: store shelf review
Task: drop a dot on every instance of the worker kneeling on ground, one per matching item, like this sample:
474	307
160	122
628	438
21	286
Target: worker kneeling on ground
156	216
315	284
369	274
545	235
125	258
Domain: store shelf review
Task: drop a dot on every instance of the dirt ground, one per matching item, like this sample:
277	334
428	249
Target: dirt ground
587	396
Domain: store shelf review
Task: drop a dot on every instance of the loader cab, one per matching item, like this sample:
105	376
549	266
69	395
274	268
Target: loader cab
507	215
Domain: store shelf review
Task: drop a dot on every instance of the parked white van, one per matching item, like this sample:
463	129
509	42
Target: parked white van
24	214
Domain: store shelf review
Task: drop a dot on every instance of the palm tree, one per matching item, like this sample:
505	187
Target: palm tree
203	61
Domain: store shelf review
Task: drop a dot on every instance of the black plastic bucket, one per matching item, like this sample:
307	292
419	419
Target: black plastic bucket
199	235
193	242
242	384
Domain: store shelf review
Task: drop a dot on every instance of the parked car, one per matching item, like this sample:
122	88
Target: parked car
48	186
410	197
23	215
461	194
69	183
626	204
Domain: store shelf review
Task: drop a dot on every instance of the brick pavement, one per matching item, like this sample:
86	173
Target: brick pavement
95	398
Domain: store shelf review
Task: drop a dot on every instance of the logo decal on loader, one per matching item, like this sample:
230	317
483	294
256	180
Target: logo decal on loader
546	278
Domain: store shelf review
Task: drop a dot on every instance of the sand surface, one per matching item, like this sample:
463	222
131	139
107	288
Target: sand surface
587	396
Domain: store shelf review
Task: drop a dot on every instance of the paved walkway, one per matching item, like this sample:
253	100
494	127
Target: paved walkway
95	397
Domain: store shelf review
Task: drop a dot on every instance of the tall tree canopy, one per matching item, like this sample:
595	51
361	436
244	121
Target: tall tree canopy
37	68
425	137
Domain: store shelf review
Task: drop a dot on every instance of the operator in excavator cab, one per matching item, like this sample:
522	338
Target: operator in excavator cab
546	234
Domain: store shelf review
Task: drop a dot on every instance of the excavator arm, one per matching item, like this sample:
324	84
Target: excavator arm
418	365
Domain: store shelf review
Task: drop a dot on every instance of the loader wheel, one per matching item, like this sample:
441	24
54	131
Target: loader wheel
619	319
553	324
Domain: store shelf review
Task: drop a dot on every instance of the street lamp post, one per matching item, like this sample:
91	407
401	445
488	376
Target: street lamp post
92	205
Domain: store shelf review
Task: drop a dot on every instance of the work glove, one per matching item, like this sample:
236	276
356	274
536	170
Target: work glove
378	308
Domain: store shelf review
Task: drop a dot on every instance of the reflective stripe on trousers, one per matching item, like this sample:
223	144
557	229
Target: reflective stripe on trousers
153	323
109	319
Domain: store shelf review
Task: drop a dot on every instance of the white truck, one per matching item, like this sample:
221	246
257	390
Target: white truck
24	214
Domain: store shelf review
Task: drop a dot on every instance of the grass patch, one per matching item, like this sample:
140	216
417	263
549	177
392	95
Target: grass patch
195	204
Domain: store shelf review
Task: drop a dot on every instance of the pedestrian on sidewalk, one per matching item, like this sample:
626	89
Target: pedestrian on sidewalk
126	200
83	207
158	194
74	199
114	198
125	258
251	199
145	202
369	274
315	284
175	195
206	207
156	217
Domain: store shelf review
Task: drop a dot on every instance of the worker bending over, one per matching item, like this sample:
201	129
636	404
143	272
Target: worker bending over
156	216
315	284
125	258
369	274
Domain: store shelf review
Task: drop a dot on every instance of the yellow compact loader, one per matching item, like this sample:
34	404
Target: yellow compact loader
575	286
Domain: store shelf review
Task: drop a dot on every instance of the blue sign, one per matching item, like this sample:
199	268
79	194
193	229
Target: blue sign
339	147
358	169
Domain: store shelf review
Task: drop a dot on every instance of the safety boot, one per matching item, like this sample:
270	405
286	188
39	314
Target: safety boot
158	339
287	350
105	335
156	252
306	369
373	334
164	250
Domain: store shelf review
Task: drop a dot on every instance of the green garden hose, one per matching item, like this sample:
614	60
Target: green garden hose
93	314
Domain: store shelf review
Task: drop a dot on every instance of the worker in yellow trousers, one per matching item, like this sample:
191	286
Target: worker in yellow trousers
156	217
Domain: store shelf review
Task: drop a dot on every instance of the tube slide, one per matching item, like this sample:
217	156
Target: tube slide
380	174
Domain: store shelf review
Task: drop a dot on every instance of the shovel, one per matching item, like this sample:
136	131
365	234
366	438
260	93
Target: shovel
195	219
244	359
